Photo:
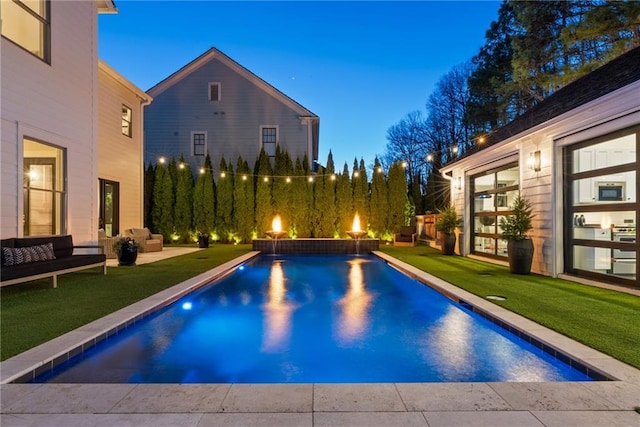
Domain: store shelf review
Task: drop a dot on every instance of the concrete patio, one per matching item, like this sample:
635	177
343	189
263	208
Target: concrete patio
601	403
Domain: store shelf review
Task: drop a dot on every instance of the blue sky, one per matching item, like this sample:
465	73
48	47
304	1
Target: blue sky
360	66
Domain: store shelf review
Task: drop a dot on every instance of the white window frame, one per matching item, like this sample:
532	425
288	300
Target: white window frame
277	141
193	150
21	37
219	91
127	124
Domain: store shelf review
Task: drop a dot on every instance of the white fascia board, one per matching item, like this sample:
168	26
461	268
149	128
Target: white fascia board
124	81
618	103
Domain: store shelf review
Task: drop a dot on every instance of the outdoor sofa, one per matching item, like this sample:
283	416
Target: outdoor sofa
149	242
31	258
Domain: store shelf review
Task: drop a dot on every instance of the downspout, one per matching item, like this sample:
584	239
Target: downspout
143	103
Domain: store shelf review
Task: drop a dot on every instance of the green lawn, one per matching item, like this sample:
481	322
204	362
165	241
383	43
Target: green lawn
33	313
602	319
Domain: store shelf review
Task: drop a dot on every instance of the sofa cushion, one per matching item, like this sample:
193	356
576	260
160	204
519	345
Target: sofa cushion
29	254
145	232
62	245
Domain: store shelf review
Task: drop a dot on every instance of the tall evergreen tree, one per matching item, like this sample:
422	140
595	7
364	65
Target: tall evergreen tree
398	200
326	200
204	199
489	100
299	206
263	184
305	227
344	203
149	182
281	193
163	202
224	201
360	191
183	218
379	204
243	201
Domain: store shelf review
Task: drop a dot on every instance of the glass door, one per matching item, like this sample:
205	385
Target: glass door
110	207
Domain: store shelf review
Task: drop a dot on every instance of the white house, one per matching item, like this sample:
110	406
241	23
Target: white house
51	159
575	158
120	151
215	106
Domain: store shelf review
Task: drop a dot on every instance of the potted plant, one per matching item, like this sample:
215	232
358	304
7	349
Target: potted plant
203	239
514	230
446	224
127	250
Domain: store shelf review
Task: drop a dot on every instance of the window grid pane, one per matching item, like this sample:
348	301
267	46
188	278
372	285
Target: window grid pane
198	144
269	140
126	121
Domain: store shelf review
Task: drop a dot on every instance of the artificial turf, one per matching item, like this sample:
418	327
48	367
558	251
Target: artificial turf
603	319
33	313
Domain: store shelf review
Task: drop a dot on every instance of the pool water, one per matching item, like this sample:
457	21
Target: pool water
313	319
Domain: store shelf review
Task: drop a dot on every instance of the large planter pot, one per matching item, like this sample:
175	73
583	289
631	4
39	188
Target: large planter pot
520	256
448	243
127	255
203	241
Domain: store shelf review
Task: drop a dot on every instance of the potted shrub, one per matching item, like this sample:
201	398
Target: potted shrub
203	239
127	250
514	230
446	224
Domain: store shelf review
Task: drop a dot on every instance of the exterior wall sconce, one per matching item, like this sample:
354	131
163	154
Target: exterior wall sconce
459	183
535	162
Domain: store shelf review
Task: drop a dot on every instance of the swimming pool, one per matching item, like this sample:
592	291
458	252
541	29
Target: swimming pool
313	319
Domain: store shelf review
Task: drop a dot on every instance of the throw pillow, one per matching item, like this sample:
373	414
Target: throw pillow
16	256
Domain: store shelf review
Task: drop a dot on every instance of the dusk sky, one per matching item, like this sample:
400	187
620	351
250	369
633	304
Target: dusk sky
360	66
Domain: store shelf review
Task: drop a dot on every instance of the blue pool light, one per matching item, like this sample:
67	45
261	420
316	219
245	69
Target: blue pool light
241	268
187	306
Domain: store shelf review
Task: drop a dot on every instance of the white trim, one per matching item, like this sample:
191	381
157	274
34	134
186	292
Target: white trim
199	132
219	91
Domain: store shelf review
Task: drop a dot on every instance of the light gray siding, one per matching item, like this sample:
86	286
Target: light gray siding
232	125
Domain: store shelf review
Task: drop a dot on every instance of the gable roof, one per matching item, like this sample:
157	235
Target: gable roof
615	74
214	53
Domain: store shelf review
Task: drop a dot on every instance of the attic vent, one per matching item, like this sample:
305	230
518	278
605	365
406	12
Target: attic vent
214	91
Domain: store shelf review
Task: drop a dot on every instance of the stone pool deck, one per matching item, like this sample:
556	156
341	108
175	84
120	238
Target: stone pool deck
601	403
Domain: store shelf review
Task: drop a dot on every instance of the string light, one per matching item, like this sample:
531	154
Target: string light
245	176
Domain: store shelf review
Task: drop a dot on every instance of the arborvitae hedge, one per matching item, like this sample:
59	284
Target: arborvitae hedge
379	201
243	197
224	205
183	218
162	212
240	209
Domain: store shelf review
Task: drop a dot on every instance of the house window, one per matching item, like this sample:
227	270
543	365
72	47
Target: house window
199	143
214	91
601	208
269	138
43	189
126	121
26	23
493	194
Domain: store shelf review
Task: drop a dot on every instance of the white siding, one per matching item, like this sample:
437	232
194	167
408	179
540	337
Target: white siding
54	104
120	157
543	189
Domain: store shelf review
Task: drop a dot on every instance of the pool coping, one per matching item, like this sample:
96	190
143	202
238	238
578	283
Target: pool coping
31	363
317	404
